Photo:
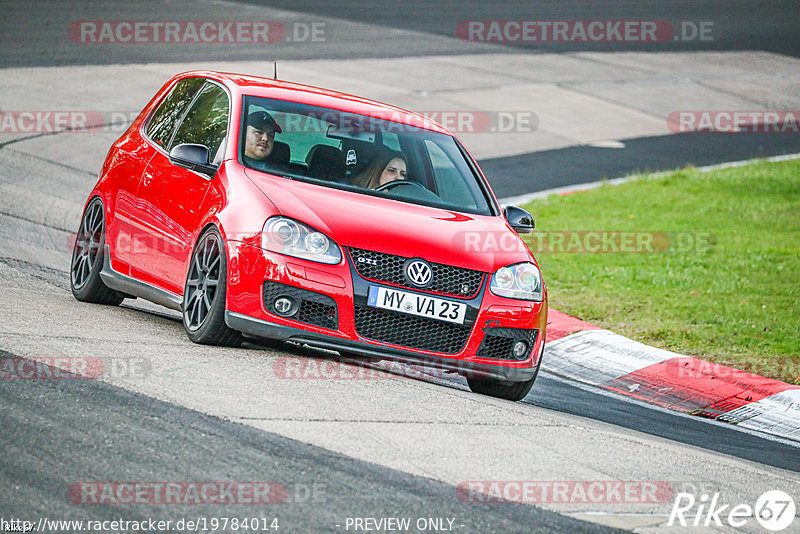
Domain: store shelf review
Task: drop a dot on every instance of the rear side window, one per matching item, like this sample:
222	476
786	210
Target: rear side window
206	122
168	113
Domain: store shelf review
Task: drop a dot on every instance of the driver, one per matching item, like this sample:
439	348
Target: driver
259	138
387	167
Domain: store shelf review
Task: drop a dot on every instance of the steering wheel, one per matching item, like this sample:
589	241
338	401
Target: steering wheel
388	186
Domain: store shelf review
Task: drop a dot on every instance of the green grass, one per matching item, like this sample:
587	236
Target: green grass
733	299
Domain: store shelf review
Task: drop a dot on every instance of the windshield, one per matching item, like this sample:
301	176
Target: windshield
361	154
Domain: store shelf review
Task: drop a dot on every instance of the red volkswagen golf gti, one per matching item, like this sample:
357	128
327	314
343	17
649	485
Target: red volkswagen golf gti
277	210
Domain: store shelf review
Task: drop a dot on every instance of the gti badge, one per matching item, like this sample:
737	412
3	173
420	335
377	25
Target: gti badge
368	261
419	272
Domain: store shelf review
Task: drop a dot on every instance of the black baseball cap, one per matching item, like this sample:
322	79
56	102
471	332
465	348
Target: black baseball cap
262	119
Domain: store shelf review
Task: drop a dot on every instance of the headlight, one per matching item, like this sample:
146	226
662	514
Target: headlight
519	281
293	238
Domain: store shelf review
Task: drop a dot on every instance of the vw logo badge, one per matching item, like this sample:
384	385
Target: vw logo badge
419	272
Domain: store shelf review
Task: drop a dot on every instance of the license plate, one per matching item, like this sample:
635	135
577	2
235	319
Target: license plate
416	304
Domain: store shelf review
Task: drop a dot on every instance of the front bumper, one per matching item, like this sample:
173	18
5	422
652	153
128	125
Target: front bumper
261	328
250	267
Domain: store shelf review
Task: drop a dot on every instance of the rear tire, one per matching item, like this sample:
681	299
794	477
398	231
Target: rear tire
88	255
503	389
205	293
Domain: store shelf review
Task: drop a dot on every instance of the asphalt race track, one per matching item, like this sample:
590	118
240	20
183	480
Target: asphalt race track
192	446
376	447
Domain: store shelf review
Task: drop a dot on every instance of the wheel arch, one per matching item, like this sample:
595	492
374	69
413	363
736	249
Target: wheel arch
211	223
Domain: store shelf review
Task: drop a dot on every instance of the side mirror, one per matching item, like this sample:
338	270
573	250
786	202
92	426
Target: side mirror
519	219
193	157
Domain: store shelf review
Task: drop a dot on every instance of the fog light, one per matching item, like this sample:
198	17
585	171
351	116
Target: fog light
519	350
283	305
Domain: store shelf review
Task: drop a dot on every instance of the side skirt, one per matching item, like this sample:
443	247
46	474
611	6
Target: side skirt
132	286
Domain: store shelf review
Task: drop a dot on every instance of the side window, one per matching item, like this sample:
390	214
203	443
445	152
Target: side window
169	112
300	132
449	182
206	122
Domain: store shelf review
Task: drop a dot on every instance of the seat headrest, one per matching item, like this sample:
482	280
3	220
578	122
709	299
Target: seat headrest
281	153
326	162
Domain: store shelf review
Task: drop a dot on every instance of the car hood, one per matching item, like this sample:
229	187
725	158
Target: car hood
480	242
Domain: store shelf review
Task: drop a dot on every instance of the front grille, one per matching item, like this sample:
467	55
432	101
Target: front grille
447	280
410	331
497	342
312	308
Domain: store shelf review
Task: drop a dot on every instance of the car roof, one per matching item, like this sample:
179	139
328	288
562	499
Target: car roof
306	94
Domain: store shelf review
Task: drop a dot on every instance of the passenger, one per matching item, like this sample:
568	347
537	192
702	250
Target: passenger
385	168
259	138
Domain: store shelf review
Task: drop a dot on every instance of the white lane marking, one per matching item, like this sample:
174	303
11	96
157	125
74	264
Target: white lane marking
519	200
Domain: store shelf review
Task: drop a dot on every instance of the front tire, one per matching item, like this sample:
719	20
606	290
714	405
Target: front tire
205	293
503	389
88	255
